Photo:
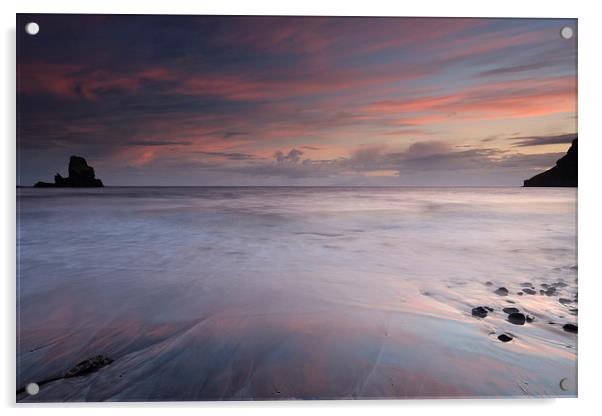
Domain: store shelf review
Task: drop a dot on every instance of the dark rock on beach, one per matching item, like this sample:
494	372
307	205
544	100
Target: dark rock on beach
565	301
489	308
510	310
88	366
551	291
505	338
81	175
479	311
85	367
517	318
564	174
570	328
529	318
502	291
529	291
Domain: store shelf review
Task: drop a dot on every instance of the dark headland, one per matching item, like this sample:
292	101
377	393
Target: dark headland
564	174
80	176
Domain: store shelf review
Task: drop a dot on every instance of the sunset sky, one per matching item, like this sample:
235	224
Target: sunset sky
216	100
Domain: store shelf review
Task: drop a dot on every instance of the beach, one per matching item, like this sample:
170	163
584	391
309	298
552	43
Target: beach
255	293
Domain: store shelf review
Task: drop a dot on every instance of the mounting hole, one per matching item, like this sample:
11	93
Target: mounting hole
566	384
32	28
566	32
32	389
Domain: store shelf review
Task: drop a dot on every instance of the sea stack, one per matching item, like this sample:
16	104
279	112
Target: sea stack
80	176
564	174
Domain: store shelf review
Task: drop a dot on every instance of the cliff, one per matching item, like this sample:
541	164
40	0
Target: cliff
564	174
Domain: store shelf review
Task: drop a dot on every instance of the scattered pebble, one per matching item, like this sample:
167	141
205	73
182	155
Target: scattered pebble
570	328
479	311
502	291
516	318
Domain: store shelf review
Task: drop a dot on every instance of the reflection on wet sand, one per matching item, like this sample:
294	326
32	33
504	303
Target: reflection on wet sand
196	295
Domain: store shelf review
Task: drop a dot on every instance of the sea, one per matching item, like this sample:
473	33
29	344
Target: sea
276	293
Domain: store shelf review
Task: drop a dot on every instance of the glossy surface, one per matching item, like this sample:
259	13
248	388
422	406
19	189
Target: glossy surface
269	293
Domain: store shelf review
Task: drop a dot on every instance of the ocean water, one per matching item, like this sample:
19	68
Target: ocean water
280	293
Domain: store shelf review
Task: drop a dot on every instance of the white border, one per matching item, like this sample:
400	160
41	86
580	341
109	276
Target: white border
590	207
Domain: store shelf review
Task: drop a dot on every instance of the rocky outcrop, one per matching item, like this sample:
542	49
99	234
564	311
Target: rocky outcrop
83	368
80	176
88	366
564	174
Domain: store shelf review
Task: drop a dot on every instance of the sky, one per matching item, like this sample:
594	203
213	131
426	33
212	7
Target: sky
300	101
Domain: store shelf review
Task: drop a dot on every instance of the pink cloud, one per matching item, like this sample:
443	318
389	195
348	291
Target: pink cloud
469	46
73	81
509	99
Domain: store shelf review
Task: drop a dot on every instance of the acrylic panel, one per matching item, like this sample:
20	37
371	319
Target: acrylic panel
281	207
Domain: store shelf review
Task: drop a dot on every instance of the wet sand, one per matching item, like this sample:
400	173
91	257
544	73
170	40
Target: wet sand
253	294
